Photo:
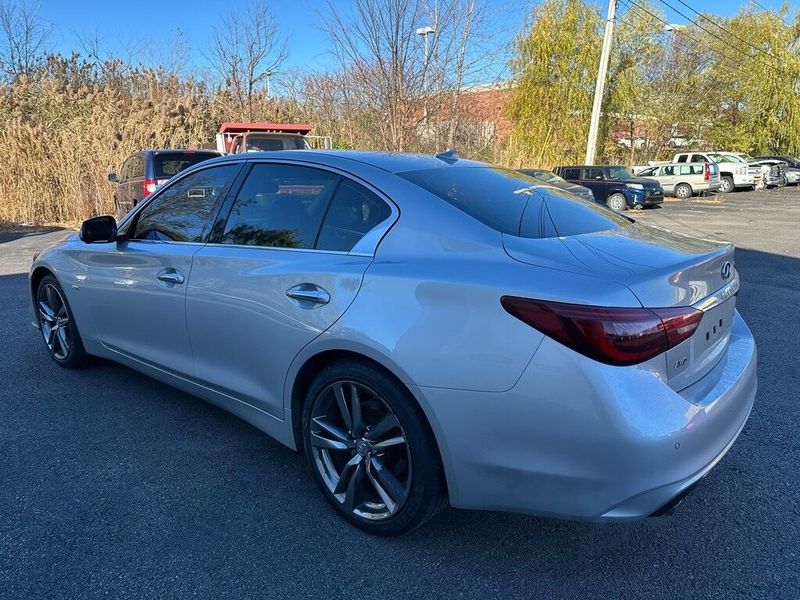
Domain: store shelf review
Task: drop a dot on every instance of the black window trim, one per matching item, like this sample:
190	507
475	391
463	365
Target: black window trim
362	248
132	219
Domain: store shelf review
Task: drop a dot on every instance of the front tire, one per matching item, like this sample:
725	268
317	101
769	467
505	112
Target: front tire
371	449
617	202
726	184
57	325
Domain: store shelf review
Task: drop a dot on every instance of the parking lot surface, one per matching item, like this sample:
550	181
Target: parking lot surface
113	484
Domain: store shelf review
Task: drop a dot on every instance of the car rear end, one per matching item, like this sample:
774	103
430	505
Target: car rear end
164	164
641	377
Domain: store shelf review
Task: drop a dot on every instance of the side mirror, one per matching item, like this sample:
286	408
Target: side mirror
98	230
112	177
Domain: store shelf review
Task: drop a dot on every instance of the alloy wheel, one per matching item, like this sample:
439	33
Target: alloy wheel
360	450
54	321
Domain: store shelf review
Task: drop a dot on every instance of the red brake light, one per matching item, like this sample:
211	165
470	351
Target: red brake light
706	172
149	187
615	336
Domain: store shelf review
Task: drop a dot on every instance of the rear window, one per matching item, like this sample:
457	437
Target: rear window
513	203
167	164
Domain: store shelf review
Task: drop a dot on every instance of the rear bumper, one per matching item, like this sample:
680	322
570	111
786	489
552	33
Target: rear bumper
578	439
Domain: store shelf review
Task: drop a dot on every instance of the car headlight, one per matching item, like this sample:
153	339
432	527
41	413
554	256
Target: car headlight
634	186
742	170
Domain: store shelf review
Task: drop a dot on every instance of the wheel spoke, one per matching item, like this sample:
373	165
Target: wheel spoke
338	392
389	442
319	441
347	474
46	312
387	480
338	434
350	494
385	497
384	426
61	334
49	330
356	404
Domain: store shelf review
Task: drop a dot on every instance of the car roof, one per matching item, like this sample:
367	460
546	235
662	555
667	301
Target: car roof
394	162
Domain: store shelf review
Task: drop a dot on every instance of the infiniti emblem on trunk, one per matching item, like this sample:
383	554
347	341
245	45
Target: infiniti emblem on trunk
726	270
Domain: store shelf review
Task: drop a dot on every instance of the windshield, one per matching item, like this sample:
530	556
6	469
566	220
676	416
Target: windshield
167	164
511	202
723	158
746	157
619	173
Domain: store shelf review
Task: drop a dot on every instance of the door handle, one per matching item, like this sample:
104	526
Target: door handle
172	276
309	295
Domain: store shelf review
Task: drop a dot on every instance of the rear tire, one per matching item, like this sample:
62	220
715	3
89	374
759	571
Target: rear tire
617	202
683	191
371	449
57	325
726	184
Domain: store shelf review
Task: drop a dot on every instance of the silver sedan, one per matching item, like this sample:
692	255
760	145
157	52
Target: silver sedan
428	330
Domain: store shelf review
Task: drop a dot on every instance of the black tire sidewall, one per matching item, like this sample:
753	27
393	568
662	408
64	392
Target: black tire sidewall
76	357
427	494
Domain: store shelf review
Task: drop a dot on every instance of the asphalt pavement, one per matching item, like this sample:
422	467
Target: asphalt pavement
115	485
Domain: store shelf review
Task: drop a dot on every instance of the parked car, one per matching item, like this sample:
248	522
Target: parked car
771	175
792	167
776	173
551	178
428	330
614	185
142	173
685	179
263	136
733	173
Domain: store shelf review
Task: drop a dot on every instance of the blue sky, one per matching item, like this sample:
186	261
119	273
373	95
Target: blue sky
121	25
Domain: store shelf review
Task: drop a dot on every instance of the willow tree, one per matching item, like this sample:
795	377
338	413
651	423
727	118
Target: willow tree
554	69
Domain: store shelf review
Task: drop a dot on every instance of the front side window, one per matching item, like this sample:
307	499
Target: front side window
700	158
594	174
280	206
650	172
137	167
619	173
181	211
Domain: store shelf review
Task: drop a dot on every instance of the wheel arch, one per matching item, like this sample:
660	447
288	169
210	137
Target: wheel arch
39	273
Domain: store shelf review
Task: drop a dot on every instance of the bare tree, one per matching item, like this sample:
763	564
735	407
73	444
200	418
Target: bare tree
246	49
24	38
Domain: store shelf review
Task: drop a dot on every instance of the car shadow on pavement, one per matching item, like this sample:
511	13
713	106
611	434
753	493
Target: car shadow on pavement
142	474
9	233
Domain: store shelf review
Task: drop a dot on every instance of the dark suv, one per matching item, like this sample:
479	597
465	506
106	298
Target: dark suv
142	172
614	185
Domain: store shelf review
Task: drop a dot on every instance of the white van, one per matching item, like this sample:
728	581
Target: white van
685	179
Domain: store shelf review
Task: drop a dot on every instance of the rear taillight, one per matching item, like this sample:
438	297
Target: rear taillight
149	187
706	172
615	336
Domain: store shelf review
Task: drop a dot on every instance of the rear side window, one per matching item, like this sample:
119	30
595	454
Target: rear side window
699	158
572	174
495	197
669	170
167	164
280	206
682	158
593	174
353	212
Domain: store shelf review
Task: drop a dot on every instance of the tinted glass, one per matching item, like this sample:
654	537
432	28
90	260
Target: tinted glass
279	206
167	164
593	174
137	167
682	158
180	212
572	173
353	212
573	216
699	158
669	170
648	172
619	173
496	197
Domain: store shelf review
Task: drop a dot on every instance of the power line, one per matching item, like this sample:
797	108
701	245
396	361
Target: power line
727	60
729	32
715	36
774	14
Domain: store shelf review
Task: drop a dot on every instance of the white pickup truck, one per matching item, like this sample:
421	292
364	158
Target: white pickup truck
733	173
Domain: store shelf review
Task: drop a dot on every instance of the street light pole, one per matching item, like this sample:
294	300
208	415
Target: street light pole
602	71
425	32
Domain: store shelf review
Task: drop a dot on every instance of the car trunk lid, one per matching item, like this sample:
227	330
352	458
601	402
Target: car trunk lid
662	269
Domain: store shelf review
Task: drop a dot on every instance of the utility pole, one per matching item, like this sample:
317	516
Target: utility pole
425	32
602	71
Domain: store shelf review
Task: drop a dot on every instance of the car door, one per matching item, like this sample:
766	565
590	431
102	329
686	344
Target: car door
594	179
668	178
280	271
136	287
